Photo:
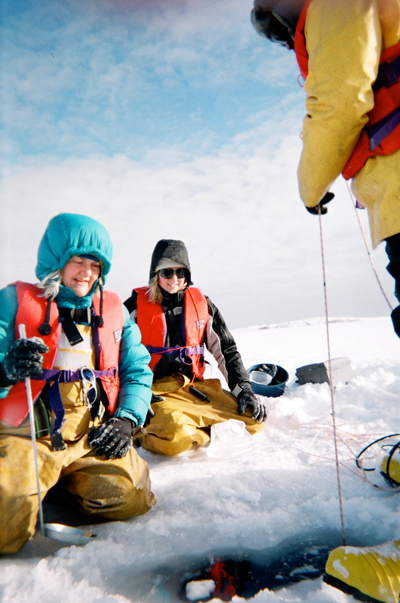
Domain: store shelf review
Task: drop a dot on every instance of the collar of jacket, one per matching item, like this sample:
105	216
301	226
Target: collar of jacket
172	299
67	298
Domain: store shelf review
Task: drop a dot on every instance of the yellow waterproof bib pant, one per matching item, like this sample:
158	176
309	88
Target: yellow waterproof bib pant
111	489
182	420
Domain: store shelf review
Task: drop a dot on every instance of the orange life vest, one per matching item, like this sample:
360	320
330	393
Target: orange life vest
31	312
153	327
381	136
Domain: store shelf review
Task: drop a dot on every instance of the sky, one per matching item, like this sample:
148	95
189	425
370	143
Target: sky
258	498
173	119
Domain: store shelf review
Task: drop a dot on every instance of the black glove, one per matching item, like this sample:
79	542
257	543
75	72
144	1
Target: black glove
271	369
24	359
113	438
324	210
150	412
248	398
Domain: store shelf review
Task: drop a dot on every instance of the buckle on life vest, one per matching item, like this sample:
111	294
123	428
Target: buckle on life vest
183	352
197	350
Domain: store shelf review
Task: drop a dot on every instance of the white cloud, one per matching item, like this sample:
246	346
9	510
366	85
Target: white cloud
253	247
101	77
173	120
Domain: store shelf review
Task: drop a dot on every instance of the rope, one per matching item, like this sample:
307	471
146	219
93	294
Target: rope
331	382
367	246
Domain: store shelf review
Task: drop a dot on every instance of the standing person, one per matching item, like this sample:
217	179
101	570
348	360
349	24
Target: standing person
349	55
89	375
177	322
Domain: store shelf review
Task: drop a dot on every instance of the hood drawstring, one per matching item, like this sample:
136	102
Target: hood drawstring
45	328
97	321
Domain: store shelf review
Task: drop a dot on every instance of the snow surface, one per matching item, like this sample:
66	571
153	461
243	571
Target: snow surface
278	493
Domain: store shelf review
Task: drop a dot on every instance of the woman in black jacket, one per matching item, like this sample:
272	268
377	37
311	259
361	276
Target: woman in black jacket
177	322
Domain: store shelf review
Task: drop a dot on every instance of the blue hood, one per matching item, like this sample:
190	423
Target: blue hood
73	234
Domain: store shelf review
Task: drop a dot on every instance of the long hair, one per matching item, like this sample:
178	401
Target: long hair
154	292
50	284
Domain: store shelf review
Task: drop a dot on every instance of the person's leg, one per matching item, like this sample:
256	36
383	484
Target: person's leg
111	489
173	429
393	253
372	571
114	489
182	420
18	489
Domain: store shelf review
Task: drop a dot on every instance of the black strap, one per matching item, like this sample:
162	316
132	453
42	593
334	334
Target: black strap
82	315
69	327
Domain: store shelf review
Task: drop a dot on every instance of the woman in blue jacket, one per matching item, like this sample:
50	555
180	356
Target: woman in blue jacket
90	379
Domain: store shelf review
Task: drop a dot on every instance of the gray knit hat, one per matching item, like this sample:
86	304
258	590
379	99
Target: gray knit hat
169	253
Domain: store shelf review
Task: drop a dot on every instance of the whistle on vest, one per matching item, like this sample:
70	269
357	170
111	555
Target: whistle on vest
198	394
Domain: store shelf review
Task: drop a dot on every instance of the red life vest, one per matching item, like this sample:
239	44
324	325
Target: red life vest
31	312
381	136
153	327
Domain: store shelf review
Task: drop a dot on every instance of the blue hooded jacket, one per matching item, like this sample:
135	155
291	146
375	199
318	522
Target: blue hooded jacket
69	235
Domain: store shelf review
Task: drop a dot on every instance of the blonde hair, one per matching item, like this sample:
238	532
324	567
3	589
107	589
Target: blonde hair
154	292
50	284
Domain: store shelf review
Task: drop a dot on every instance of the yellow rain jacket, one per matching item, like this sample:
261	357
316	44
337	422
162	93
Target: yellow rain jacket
344	42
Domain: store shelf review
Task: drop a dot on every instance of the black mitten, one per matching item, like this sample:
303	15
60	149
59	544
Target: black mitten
24	359
113	438
320	207
271	369
248	398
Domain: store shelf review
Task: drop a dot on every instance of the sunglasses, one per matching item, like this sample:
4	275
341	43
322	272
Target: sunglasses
274	27
169	272
89	387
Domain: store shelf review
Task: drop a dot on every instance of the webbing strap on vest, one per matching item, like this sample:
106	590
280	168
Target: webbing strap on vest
184	351
388	75
54	396
67	376
378	132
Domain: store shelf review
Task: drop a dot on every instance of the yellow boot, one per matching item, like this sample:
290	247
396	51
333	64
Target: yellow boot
369	573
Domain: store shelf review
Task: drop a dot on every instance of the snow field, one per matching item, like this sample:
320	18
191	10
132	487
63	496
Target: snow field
280	492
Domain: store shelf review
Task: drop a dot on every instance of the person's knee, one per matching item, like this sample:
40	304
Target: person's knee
125	504
18	516
115	489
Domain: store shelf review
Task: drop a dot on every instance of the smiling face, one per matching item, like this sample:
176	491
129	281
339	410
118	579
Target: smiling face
173	284
80	274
